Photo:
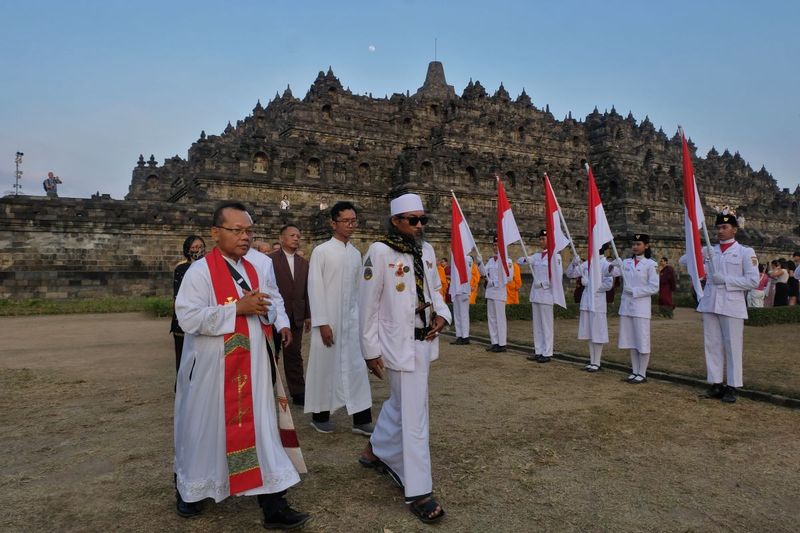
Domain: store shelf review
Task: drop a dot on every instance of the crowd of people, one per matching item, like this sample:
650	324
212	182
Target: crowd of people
238	307
778	283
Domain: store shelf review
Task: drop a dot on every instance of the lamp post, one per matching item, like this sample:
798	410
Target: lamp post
18	173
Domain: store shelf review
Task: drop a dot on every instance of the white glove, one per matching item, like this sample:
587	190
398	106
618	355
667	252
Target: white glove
617	263
576	260
717	278
628	291
545	285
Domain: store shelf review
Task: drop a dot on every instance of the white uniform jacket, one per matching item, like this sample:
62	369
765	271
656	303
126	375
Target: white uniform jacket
739	266
457	286
642	279
495	288
582	271
540	288
387	304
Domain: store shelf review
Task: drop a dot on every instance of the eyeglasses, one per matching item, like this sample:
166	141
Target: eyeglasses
414	220
352	222
240	231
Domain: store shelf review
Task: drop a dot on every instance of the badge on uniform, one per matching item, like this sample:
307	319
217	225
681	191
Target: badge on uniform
754	260
400	270
367	274
368	262
430	265
400	287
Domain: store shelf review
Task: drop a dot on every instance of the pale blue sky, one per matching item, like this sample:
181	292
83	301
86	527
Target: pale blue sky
86	86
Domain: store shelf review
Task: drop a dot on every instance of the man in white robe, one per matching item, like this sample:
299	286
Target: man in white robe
201	461
402	313
337	375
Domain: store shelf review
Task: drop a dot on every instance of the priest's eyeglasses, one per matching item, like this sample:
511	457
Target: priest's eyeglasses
352	222
240	231
414	220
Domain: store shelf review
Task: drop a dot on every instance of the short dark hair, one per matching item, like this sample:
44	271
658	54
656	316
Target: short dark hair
664	258
287	226
219	219
188	244
338	207
796	254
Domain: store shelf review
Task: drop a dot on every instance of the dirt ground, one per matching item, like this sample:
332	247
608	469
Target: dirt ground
86	440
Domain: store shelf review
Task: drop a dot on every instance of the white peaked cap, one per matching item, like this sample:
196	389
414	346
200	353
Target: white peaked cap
406	203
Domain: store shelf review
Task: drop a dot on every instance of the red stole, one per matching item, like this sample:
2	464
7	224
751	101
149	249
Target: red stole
240	436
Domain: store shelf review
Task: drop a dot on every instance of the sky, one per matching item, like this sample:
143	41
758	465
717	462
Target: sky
86	86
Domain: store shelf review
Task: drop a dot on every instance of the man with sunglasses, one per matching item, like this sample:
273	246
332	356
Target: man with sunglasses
401	315
337	376
227	440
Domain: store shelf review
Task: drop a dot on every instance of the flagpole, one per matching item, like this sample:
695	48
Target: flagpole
563	221
709	249
477	252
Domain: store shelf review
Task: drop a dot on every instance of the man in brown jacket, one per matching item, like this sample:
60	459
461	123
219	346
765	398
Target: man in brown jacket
291	274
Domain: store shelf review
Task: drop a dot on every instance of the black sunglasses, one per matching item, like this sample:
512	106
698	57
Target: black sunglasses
414	220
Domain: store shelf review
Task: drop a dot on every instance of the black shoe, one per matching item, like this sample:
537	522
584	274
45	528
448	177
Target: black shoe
715	391
286	518
533	357
299	399
465	340
543	359
492	348
457	341
500	349
729	395
187	509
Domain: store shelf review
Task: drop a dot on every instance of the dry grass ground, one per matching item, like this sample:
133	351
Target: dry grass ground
770	358
86	435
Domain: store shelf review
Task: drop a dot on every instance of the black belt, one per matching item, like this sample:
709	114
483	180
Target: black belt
421	333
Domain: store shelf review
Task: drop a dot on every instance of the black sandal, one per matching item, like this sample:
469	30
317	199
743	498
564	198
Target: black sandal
425	507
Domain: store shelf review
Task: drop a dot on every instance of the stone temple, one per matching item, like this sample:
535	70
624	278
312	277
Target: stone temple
333	144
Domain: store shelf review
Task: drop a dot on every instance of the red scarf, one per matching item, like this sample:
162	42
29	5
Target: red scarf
240	436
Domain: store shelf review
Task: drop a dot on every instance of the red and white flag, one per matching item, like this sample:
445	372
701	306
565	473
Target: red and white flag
599	233
461	244
507	231
693	220
556	241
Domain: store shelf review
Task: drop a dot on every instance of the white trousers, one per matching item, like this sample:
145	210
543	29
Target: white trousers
496	311
400	438
634	333
595	352
542	329
723	337
461	315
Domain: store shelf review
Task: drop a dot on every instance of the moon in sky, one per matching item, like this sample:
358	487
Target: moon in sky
371	48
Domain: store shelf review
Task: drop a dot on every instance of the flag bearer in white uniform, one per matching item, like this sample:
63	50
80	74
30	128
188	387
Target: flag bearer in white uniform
401	315
459	294
640	279
541	298
731	272
593	325
496	295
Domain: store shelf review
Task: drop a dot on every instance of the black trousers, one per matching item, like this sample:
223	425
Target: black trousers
361	417
272	503
178	351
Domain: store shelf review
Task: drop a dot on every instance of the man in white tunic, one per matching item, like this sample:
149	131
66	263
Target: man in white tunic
225	447
459	294
402	313
640	280
496	295
337	375
731	272
541	298
593	325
